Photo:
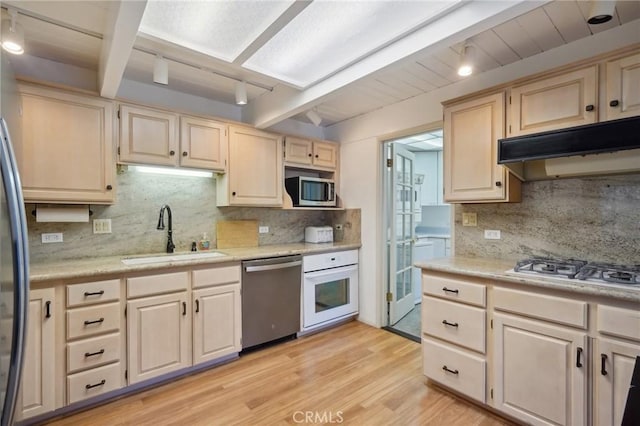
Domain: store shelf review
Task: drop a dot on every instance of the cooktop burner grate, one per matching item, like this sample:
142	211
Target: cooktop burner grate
610	273
543	265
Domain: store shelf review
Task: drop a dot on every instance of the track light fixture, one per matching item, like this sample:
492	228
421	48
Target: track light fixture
160	70
241	93
314	117
601	11
12	34
467	55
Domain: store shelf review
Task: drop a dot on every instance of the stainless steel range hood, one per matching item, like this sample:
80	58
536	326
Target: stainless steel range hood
595	149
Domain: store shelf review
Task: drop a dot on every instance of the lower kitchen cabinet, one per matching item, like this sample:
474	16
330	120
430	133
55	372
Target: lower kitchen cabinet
158	335
37	390
540	371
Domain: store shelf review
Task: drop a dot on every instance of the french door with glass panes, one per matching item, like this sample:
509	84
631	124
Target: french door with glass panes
401	234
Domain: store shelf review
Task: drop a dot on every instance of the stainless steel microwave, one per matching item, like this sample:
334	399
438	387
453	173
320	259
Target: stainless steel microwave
311	192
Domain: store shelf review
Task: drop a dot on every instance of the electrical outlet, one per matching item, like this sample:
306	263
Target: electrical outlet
339	227
469	219
263	229
55	237
101	226
491	234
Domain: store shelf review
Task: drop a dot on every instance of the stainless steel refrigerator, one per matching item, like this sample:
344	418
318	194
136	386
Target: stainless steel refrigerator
14	253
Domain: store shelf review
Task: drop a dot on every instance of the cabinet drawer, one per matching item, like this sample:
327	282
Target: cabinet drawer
157	284
92	352
619	322
94	320
453	322
453	289
551	308
216	276
94	292
453	368
93	382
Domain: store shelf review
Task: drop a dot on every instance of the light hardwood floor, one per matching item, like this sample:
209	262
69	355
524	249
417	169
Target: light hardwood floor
354	375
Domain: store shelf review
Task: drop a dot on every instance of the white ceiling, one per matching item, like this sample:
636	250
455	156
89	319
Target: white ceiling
300	55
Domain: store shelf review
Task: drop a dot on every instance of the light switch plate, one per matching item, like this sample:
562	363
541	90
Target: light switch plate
491	234
469	219
55	237
263	229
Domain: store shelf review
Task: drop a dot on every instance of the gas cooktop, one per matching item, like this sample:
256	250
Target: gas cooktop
580	270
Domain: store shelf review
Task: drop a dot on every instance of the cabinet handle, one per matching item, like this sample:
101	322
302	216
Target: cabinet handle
184	153
93	293
88	354
197	305
452	324
184	308
590	108
603	364
47	309
109	187
444	367
498	184
100	383
579	358
614	103
448	290
98	321
172	152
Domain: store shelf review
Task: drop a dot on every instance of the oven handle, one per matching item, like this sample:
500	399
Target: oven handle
272	267
332	271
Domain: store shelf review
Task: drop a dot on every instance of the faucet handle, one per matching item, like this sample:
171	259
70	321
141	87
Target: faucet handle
194	246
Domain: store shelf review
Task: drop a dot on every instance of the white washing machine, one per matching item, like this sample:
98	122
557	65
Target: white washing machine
422	250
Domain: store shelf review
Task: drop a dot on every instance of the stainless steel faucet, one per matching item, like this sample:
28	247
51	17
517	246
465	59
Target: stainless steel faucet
170	245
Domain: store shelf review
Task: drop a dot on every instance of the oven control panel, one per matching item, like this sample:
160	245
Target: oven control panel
317	262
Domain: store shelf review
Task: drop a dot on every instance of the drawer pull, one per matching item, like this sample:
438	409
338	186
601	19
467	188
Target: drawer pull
444	367
88	354
448	290
452	324
197	306
100	383
184	308
603	365
579	358
94	321
93	293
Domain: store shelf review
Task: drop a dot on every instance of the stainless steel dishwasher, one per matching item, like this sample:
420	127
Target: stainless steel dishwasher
270	299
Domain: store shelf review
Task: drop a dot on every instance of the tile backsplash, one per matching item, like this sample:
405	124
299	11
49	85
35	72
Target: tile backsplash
595	219
134	218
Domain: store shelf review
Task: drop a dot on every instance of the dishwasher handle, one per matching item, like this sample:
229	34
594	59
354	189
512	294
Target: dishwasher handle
272	267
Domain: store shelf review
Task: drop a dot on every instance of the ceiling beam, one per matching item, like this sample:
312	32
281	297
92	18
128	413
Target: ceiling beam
120	33
469	19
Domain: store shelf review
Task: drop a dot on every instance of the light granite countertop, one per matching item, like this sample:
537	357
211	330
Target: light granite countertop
96	266
498	269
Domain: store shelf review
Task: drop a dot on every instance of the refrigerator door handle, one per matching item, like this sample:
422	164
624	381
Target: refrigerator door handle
18	225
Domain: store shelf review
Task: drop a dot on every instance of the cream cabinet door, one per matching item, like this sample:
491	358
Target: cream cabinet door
148	136
471	133
623	88
298	151
612	368
37	390
158	335
554	103
216	322
203	143
325	155
540	371
255	169
67	150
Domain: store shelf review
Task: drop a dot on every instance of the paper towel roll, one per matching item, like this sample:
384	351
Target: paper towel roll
62	213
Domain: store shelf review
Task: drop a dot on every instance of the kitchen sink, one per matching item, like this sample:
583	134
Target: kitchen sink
171	257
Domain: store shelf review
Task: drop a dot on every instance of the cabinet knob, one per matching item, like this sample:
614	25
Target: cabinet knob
590	108
614	103
316	155
233	193
498	184
109	187
172	152
184	153
310	155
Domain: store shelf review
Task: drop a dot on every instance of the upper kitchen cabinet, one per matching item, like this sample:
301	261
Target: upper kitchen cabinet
203	143
564	100
255	169
310	154
471	132
623	88
148	136
67	150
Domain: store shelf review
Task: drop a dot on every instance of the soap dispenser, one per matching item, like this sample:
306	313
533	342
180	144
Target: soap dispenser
204	242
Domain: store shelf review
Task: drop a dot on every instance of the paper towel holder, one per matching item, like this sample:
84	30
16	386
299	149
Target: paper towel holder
34	214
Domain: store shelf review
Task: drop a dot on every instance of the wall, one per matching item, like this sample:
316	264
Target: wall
593	219
135	214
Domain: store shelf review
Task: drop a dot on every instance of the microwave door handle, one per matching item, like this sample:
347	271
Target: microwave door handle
332	191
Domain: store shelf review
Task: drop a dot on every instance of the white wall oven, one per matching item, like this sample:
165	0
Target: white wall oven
330	288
